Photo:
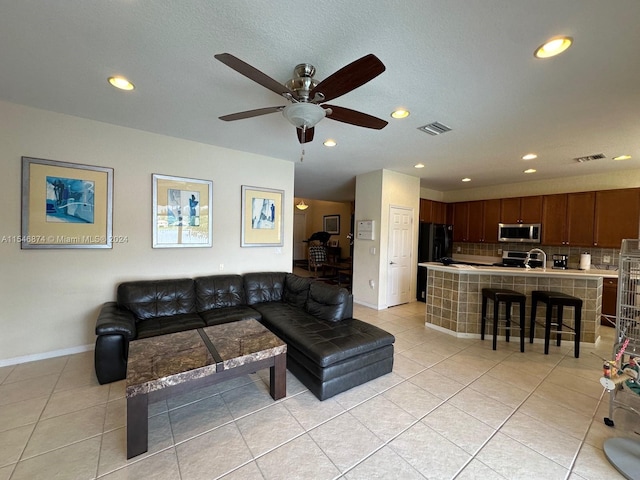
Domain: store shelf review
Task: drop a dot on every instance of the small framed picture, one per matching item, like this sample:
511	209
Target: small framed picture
262	224
331	224
181	212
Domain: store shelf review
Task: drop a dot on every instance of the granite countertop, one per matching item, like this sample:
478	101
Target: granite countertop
493	270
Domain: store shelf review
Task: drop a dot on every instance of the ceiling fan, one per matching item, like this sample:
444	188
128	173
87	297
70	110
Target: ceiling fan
307	94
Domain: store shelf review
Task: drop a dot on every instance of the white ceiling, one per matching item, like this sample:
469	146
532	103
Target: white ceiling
467	64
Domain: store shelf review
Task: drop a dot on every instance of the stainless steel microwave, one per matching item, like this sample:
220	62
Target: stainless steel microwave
519	232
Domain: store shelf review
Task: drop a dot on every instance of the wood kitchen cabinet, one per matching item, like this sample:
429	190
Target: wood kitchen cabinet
554	217
477	221
432	211
521	209
460	221
617	216
580	214
567	219
609	301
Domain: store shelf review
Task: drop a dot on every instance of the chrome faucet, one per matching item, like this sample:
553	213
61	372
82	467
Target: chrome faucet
536	250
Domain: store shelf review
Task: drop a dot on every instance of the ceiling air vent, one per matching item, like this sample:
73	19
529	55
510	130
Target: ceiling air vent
588	158
435	128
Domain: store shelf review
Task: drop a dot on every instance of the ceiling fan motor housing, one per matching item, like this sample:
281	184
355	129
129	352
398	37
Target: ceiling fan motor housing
302	82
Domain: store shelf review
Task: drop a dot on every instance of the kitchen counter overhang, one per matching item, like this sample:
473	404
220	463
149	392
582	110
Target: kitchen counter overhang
454	295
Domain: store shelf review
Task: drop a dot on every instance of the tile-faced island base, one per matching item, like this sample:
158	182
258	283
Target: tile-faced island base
166	365
454	298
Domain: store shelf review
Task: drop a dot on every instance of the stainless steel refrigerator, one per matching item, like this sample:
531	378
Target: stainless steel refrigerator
435	241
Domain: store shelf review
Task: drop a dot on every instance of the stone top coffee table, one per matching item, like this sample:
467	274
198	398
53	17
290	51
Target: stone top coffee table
166	365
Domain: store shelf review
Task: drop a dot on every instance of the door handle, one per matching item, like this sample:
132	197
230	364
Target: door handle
392	263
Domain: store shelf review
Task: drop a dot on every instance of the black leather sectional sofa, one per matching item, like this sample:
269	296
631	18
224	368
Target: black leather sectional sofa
327	349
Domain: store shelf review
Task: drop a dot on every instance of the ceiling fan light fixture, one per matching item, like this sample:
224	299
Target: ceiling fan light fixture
303	115
301	205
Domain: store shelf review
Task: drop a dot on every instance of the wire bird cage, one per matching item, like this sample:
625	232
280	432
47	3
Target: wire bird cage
623	380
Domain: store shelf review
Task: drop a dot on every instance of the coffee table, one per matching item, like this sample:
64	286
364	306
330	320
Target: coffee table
166	365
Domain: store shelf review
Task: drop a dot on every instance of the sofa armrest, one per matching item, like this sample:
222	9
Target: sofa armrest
113	320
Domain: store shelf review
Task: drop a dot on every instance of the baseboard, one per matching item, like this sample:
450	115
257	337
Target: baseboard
43	356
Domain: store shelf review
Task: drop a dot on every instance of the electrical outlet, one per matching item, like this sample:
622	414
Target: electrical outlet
221	267
372	284
458	249
499	251
606	259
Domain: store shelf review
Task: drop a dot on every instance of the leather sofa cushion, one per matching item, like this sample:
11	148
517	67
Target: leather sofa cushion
162	325
296	290
325	343
327	302
220	315
217	291
263	287
149	299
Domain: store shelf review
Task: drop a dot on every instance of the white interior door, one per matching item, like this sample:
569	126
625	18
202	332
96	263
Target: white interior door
299	235
399	255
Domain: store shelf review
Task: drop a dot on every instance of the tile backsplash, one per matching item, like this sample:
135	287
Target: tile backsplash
491	250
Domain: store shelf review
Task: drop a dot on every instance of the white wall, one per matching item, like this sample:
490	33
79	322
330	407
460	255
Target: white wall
50	298
584	183
376	192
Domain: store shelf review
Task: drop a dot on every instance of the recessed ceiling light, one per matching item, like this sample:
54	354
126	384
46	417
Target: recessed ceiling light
530	170
553	47
622	157
329	143
419	165
530	156
466	179
121	83
400	113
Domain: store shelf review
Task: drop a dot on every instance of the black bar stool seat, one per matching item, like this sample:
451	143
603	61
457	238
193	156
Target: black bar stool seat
508	297
558	300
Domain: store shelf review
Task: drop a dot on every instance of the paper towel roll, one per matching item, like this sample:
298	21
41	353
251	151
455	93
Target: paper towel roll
585	261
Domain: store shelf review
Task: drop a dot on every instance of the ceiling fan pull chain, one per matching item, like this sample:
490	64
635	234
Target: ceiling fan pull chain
304	135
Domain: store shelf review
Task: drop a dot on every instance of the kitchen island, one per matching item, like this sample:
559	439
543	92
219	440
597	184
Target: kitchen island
454	295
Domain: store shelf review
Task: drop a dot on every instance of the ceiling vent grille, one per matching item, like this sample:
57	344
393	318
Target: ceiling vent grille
435	128
588	158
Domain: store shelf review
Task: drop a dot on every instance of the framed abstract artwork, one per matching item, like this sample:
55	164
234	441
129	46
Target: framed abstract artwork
181	212
66	205
262	224
331	224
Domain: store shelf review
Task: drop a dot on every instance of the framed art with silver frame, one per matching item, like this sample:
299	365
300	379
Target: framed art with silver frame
262	222
181	212
66	205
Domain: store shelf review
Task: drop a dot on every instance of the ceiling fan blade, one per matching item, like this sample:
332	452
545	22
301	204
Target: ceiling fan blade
346	115
254	74
305	136
250	113
349	78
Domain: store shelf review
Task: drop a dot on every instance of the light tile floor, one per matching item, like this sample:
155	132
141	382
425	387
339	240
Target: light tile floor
451	408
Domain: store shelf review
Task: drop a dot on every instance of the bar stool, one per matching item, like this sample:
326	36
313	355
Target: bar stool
559	300
508	297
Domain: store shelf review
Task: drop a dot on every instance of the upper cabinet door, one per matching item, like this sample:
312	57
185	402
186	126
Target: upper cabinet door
491	220
554	219
580	214
521	210
475	216
460	221
617	216
531	209
510	210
